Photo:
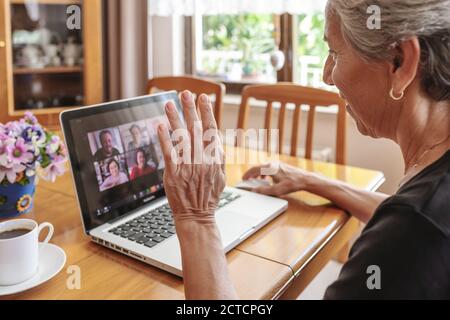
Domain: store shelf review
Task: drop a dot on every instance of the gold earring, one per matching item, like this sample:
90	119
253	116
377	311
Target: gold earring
391	93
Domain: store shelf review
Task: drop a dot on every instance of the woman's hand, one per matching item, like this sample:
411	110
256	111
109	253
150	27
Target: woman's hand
194	176
287	179
194	180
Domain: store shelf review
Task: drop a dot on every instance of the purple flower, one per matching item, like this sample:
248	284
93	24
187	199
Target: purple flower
27	134
56	169
26	148
54	145
35	136
10	172
3	152
19	153
13	129
3	133
30	118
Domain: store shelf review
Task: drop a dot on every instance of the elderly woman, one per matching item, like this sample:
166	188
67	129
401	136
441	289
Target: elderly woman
396	81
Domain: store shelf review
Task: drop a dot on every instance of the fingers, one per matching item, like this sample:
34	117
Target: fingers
254	172
194	126
166	145
212	141
189	109
173	116
179	135
224	155
276	190
206	112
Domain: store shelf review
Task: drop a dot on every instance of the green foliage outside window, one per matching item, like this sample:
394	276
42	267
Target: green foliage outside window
249	34
252	35
310	37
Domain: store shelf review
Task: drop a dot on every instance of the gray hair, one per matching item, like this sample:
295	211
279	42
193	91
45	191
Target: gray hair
429	20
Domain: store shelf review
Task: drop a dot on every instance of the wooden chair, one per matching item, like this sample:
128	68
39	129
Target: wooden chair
196	86
294	94
289	93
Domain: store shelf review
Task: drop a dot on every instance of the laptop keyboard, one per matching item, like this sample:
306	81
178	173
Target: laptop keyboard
156	226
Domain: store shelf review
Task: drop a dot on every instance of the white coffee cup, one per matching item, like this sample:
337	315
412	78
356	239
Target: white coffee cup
19	257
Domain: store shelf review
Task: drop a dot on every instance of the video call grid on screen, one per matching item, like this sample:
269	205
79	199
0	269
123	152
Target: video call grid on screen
108	147
117	152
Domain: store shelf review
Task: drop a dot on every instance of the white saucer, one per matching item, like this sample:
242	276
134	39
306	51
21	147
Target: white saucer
51	261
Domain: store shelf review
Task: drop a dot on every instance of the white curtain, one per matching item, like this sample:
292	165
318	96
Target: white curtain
213	7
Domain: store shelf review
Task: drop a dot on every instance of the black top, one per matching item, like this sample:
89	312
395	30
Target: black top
405	248
101	155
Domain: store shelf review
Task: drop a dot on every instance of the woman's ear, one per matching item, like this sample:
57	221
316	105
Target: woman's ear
405	65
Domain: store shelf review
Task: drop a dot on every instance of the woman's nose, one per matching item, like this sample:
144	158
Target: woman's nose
328	72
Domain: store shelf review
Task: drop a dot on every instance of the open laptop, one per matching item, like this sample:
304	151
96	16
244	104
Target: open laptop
123	207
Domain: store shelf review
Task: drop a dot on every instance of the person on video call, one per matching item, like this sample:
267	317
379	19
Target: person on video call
142	167
116	177
107	150
137	142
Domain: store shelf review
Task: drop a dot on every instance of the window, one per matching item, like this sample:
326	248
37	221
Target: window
237	49
311	51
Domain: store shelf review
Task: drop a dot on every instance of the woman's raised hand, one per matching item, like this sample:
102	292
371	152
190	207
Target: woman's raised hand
194	176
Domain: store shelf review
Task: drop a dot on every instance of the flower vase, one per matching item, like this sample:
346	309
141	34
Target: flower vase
17	199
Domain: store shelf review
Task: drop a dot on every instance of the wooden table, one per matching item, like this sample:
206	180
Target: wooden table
277	262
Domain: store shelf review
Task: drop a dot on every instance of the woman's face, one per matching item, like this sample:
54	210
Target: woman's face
141	159
365	86
114	169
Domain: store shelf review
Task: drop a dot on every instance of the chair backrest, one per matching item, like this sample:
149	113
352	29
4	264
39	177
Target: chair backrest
196	86
289	93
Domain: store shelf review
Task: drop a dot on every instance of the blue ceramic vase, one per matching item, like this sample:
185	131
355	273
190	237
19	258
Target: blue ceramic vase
16	199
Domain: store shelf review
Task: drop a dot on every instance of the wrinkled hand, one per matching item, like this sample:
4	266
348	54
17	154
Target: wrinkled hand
287	179
194	176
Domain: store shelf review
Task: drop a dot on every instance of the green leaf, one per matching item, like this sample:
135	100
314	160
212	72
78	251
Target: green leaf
25	181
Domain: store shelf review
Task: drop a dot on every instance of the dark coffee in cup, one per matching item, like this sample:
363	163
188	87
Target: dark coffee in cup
11	234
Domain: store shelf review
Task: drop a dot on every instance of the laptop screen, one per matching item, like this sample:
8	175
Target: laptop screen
116	157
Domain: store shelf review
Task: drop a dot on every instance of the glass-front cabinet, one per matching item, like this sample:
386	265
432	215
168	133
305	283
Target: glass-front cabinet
50	57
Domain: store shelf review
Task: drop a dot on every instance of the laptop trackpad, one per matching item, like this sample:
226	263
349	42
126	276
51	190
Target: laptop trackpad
233	225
